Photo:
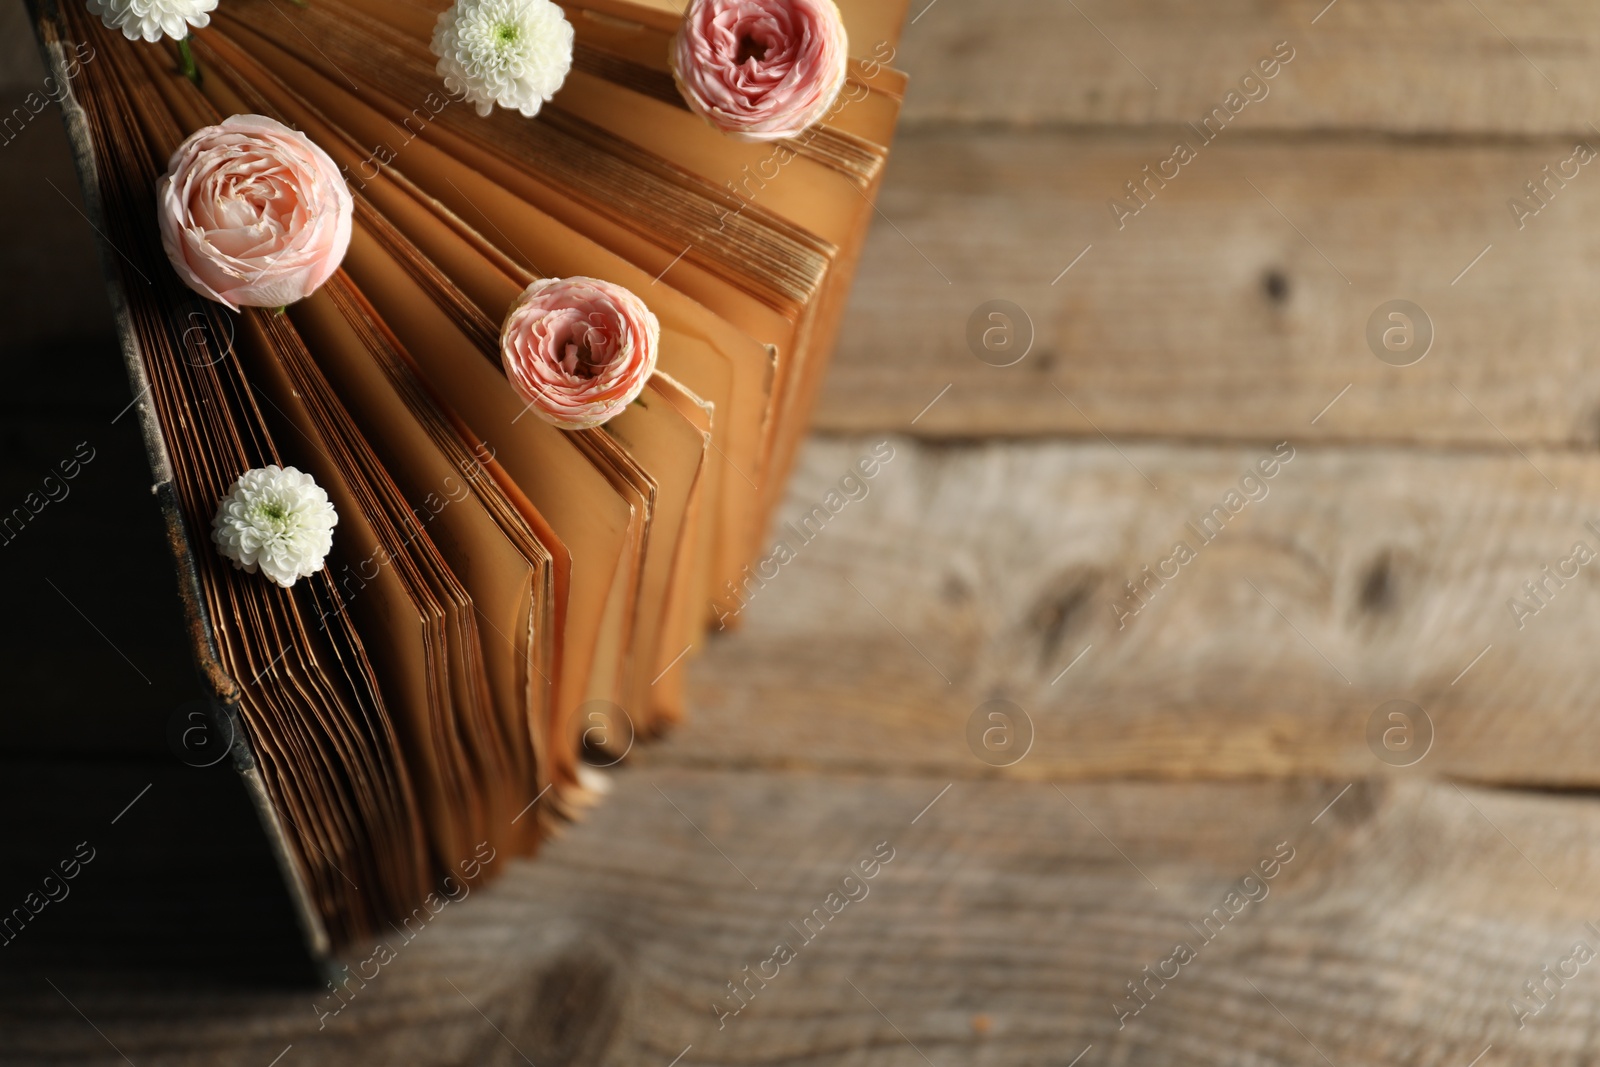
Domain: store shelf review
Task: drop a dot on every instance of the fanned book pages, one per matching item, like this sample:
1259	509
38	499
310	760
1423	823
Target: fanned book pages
506	599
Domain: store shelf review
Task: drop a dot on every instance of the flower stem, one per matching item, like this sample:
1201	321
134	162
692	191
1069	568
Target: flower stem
186	63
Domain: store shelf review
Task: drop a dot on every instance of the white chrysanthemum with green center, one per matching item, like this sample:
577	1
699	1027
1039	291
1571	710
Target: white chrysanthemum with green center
514	53
278	521
151	20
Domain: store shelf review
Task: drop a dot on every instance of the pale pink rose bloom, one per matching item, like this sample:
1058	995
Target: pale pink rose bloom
578	350
760	70
253	213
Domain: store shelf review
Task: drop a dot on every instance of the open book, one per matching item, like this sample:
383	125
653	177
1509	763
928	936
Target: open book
505	602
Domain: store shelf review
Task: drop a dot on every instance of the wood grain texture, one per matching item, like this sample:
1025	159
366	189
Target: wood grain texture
1235	304
1434	66
1003	931
1228	716
971	573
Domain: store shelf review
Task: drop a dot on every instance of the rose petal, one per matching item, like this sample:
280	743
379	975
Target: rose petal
787	82
578	350
253	213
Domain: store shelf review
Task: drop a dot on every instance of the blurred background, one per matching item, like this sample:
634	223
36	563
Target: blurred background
1208	676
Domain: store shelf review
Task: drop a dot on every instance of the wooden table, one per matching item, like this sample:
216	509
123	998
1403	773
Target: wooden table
1227	720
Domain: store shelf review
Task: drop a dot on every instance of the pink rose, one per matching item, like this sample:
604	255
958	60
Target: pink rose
578	350
252	213
760	70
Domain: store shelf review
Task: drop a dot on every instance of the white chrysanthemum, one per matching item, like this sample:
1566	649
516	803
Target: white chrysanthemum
515	53
151	19
278	520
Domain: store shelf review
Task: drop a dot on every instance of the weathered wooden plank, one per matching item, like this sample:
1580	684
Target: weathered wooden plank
1431	66
1362	575
1003	931
1235	304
